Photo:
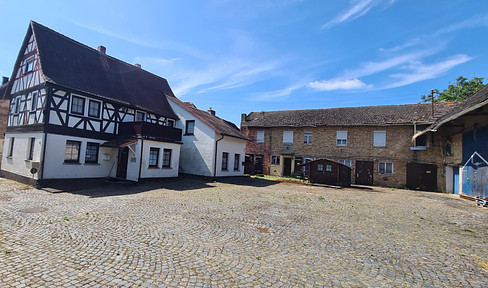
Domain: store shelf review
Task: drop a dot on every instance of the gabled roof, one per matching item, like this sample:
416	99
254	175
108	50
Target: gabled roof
70	64
217	124
473	102
351	116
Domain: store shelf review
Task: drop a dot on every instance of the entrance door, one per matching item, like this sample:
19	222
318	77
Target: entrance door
422	176
122	163
287	167
364	172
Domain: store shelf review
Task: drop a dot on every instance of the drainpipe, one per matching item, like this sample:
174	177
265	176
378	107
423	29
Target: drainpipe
215	156
140	160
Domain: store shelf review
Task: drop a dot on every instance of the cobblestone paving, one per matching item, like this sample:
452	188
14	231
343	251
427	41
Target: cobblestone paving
256	233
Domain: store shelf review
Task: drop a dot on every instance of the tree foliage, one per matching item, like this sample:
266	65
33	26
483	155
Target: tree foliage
457	92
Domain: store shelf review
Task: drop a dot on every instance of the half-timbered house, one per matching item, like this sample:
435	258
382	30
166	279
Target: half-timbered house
76	112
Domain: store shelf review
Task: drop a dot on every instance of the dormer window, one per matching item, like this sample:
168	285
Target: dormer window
29	65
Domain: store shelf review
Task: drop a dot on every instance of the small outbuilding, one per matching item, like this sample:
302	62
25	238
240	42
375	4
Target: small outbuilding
325	171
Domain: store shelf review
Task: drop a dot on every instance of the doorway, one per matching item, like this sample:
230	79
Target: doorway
286	166
364	172
122	162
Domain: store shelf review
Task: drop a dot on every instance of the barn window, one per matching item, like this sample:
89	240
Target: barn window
328	167
385	168
275	160
320	167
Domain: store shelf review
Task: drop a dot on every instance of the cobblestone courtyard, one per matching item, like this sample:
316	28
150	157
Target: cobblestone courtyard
250	233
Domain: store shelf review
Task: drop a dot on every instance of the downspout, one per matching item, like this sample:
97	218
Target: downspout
215	155
140	160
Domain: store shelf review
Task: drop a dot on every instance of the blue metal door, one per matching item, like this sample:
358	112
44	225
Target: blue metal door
456	179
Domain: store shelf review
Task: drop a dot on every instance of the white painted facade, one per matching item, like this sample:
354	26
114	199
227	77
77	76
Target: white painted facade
17	161
159	171
198	150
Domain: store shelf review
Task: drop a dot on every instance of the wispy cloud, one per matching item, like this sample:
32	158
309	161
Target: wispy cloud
419	72
338	84
276	95
356	10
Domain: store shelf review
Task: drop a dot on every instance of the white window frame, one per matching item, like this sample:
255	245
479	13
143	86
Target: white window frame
260	136
328	167
379	138
29	65
307	137
275	160
341	138
320	167
287	137
385	168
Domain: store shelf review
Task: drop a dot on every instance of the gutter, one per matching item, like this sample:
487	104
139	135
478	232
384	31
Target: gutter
215	155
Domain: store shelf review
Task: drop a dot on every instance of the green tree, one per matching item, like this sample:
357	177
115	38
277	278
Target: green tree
457	92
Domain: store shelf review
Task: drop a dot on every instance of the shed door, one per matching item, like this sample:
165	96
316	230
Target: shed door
287	166
422	176
364	172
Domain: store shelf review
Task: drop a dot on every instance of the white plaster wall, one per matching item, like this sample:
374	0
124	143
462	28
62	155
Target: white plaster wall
197	151
150	172
18	163
55	168
232	146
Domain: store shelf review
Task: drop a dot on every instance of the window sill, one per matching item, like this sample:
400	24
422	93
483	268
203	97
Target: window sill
9	157
91	164
224	170
418	148
153	167
166	168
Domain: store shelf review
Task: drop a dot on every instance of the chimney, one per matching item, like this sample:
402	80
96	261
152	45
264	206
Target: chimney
102	49
243	117
211	111
4	80
138	65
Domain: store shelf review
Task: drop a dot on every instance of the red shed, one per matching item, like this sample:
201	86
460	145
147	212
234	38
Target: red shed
325	171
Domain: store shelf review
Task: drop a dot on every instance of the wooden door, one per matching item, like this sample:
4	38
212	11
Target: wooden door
422	176
122	163
364	172
286	166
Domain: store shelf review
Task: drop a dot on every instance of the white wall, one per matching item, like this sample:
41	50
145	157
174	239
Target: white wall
18	162
55	168
150	172
197	151
232	146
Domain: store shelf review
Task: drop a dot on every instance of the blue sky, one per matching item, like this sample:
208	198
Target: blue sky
243	56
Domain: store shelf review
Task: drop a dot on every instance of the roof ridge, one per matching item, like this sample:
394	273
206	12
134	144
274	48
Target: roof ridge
91	48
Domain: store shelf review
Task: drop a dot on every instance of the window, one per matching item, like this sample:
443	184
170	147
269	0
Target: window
448	148
328	167
190	127
307	137
225	160
94	109
170	123
78	105
320	167
34	101
341	138
91	155
260	137
153	157
72	151
17	105
29	65
421	141
287	137
237	159
379	138
275	160
167	158
346	162
385	168
11	147
140	116
30	154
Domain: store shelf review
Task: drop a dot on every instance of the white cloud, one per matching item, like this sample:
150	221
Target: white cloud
276	94
419	72
358	9
338	84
